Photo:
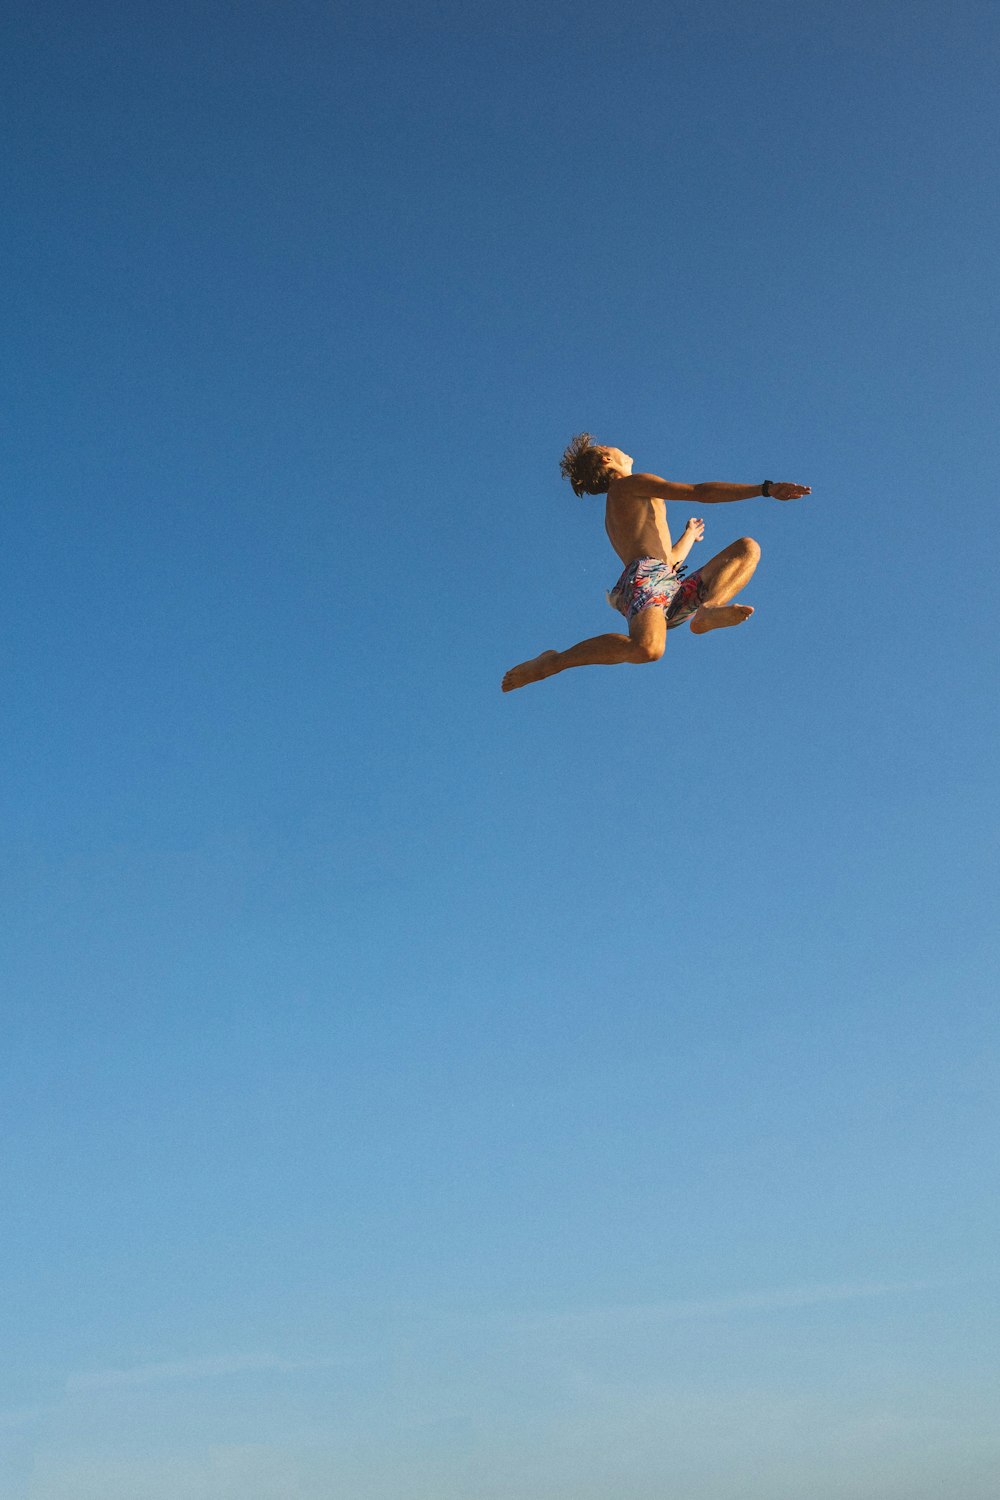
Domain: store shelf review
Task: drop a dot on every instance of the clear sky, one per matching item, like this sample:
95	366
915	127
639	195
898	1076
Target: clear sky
412	1092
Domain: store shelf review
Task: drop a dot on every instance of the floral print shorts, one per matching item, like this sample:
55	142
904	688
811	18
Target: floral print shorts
651	581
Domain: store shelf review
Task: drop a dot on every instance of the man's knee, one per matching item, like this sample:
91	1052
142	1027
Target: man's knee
650	649
749	549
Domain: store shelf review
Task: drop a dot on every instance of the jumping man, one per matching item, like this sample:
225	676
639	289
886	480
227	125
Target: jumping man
651	593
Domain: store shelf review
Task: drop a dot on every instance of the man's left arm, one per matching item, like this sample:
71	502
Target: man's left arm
712	493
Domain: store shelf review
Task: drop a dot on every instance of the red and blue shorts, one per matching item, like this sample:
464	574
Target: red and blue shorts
649	581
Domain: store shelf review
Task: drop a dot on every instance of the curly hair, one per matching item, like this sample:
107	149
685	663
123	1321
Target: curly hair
584	466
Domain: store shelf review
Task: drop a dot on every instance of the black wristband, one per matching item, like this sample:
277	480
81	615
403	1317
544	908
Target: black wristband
765	488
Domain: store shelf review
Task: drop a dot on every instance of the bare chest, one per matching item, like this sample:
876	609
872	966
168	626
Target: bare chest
637	528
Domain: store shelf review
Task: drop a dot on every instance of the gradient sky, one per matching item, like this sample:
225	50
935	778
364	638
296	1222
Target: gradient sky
412	1092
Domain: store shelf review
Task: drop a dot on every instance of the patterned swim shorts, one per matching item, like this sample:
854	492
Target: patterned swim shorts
651	581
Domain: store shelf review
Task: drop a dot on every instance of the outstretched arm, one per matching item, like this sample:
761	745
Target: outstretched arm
652	487
719	494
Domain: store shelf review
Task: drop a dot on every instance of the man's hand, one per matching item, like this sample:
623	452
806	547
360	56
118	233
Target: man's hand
789	491
693	532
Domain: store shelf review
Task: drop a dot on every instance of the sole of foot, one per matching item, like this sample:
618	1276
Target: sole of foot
718	618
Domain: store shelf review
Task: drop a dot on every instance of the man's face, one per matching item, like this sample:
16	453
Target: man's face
616	459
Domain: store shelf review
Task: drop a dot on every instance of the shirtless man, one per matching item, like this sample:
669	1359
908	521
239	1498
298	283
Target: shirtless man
650	592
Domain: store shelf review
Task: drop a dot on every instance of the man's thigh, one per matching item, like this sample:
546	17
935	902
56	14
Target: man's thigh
742	551
649	628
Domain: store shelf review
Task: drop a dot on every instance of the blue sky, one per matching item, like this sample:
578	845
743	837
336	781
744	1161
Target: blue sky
412	1090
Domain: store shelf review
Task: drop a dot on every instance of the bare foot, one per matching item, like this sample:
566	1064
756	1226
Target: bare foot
708	618
530	671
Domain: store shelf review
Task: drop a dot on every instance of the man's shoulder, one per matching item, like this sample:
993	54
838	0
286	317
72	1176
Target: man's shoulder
635	487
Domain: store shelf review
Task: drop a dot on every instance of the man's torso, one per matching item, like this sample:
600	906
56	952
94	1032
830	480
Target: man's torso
636	527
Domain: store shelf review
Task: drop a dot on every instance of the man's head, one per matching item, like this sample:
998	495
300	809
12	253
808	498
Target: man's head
590	467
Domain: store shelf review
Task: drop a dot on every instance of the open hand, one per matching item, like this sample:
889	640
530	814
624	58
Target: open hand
696	527
790	491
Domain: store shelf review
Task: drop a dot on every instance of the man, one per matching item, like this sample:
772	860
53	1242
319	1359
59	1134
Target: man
650	592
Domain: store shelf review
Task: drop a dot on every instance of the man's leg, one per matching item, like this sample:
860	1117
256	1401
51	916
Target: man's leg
722	579
645	642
